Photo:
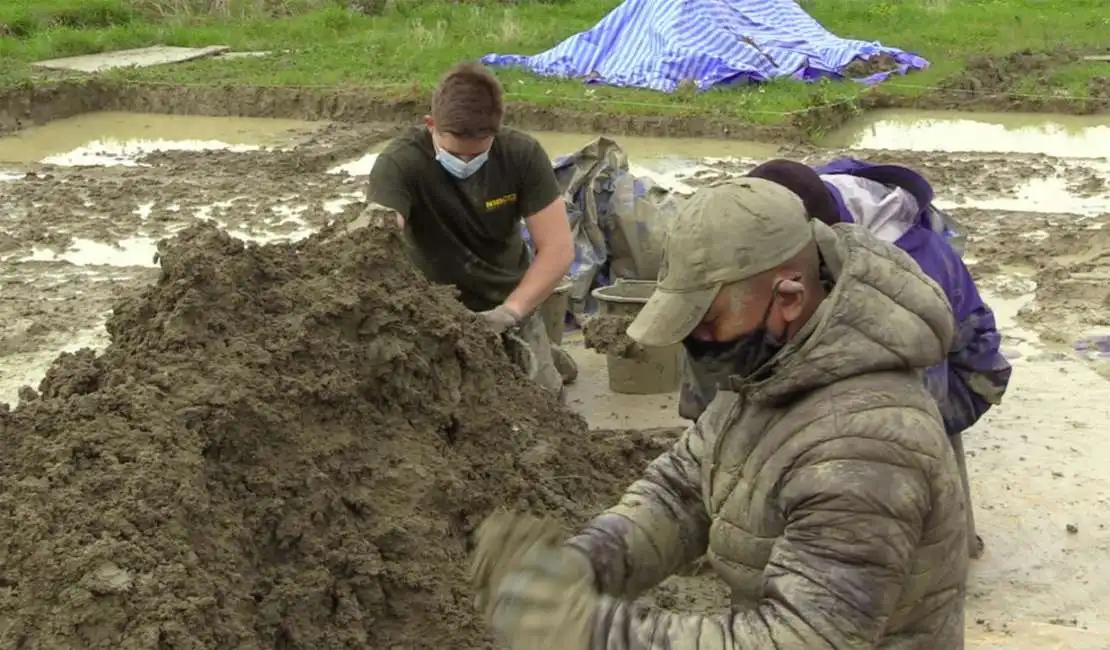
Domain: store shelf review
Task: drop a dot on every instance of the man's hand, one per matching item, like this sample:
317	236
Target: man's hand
546	602
501	318
501	542
537	593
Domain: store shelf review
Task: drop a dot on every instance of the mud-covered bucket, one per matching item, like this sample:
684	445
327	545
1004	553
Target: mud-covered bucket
655	371
553	311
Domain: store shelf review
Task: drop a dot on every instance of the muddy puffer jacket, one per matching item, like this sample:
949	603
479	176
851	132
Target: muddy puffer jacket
827	496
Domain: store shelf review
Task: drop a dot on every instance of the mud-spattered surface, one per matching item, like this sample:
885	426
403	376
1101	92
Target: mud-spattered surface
955	175
268	194
283	447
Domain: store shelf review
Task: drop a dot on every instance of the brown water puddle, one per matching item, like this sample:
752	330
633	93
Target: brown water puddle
117	133
1076	136
112	132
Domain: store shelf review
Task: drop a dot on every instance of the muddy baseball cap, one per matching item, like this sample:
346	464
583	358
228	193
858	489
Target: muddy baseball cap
722	234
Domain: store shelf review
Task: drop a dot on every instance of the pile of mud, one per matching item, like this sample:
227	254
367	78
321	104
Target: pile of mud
284	446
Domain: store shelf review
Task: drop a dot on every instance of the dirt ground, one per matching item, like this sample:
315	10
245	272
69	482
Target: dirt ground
266	539
287	194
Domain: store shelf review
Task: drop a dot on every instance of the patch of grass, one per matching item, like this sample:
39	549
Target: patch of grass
23	19
1072	80
407	47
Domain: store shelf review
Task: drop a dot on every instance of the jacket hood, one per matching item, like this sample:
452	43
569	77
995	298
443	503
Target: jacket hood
883	313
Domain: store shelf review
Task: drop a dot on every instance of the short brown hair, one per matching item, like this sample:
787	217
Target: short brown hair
467	102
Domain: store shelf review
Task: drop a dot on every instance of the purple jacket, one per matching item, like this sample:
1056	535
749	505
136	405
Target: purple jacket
976	375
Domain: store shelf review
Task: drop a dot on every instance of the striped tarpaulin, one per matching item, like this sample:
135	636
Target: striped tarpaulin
659	44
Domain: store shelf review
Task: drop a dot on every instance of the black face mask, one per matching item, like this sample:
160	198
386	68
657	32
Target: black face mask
743	357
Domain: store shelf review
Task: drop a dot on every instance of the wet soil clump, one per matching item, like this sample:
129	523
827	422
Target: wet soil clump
607	334
861	68
284	446
1003	82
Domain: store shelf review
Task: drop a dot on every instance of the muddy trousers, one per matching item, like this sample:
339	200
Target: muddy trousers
545	373
974	544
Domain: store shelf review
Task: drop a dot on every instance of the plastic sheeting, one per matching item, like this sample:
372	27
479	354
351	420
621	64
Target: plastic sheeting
660	44
617	219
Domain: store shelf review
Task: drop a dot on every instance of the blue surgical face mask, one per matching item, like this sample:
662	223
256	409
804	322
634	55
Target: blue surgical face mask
458	167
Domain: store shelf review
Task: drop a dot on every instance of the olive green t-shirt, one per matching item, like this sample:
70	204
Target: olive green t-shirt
466	232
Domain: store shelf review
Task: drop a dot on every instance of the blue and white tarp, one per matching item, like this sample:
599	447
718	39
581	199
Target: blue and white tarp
659	44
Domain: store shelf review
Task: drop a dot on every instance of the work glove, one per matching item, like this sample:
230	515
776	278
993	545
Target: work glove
501	318
536	592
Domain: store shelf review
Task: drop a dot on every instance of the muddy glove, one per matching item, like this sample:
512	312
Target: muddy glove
501	318
537	593
500	543
545	603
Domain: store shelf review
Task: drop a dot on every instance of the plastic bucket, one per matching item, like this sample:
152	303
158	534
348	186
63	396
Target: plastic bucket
658	370
553	311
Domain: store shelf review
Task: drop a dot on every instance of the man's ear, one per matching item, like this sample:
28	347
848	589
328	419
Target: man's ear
790	294
429	122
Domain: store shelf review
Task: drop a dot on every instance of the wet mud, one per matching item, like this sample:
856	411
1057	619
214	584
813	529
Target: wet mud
287	446
1064	260
866	67
605	334
1004	82
959	176
53	212
283	446
23	107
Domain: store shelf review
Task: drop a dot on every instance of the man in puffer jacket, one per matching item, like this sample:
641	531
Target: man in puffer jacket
819	484
894	203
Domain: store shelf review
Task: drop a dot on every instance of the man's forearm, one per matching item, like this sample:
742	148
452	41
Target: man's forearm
540	280
659	525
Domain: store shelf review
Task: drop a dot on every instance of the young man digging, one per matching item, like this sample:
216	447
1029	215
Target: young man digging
459	186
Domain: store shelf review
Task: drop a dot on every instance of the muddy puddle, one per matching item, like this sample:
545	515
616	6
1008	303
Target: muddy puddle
1076	136
82	208
666	160
108	137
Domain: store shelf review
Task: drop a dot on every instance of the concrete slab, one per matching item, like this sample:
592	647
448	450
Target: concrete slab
138	58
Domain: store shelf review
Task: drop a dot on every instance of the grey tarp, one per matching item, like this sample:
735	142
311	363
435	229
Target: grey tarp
617	219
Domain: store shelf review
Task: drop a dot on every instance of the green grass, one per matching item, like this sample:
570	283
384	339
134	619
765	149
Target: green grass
320	43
